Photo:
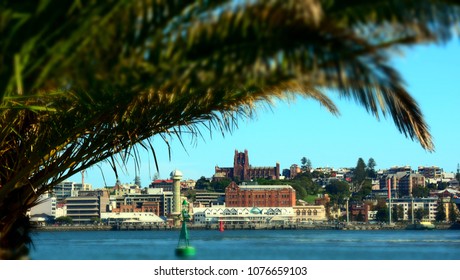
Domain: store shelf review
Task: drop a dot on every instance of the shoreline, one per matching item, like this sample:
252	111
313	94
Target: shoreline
356	227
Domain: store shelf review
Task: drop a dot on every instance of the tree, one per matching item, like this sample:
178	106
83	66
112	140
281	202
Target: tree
338	191
83	82
359	175
65	220
382	215
202	183
370	169
420	213
441	212
420	191
306	164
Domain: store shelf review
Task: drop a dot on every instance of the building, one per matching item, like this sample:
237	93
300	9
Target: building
259	195
242	215
66	189
87	206
309	213
134	218
45	211
396	169
408	182
166	185
428	205
431	172
243	171
208	199
155	200
359	212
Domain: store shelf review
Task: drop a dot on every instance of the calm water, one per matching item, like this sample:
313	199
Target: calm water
250	245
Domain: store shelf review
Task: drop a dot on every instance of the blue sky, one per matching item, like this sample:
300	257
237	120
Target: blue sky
301	128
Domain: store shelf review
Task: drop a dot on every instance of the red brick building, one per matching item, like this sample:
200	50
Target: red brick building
259	196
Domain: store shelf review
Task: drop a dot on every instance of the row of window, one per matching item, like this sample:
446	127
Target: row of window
305	212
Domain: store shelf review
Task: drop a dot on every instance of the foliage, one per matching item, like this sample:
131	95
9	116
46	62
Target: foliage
370	169
420	213
382	215
219	186
65	220
359	173
440	212
420	191
202	184
338	191
365	190
306	164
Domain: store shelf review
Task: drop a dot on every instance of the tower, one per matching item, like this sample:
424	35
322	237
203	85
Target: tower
176	176
241	165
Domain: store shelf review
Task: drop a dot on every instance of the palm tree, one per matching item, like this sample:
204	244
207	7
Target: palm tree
84	81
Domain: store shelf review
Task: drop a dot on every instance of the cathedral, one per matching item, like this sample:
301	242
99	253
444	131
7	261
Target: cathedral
243	171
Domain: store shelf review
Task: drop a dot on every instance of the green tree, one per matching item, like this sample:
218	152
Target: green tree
85	81
382	215
440	212
359	174
219	186
420	213
370	169
338	191
420	191
306	164
400	214
65	220
202	184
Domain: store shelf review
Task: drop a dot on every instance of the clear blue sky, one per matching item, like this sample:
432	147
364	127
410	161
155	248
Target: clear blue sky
303	128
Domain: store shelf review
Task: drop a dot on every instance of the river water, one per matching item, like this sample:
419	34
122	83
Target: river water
250	245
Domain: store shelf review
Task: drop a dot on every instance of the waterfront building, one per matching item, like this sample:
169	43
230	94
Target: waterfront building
309	213
156	200
359	212
87	206
112	218
259	195
242	215
243	171
44	211
428	205
208	199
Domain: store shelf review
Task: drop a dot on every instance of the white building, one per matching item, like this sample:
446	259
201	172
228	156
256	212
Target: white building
429	204
133	217
242	215
46	206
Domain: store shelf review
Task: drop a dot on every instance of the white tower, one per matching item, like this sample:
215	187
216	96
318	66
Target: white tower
176	176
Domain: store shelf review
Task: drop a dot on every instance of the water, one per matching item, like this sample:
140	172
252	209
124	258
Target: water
250	245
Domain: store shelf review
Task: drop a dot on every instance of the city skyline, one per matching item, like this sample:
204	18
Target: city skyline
302	128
